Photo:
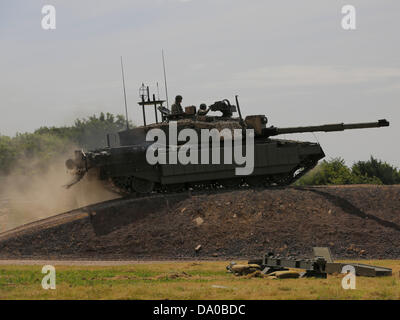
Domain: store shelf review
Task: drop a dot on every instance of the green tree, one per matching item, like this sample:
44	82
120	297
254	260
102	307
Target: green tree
378	169
335	172
8	153
90	133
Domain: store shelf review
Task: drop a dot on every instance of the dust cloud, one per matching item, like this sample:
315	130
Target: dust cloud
27	198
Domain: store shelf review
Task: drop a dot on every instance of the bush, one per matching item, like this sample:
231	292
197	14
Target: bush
335	172
378	169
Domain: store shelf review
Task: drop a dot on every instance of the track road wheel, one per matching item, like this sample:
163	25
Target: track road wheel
175	187
282	179
142	185
230	183
255	181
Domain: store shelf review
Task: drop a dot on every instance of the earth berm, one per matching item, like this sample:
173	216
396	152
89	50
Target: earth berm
356	222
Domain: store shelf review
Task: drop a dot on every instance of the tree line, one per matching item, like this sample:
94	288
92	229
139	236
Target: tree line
31	152
335	171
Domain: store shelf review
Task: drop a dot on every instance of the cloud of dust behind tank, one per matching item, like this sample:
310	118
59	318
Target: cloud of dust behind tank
32	169
26	198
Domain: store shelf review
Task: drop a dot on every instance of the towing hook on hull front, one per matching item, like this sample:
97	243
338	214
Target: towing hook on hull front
78	166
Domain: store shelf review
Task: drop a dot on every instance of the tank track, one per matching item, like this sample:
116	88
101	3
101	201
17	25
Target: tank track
123	186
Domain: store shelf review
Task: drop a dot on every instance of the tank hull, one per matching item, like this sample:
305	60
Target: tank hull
275	162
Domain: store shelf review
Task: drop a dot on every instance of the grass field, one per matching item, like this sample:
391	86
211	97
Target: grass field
187	280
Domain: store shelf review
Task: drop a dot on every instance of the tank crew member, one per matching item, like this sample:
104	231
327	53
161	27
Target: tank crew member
203	110
176	108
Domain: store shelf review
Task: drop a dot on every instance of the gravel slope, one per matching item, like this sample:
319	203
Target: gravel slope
354	221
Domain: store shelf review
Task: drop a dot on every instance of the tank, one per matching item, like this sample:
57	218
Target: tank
124	166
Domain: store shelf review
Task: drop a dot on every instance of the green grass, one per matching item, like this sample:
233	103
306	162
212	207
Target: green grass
187	280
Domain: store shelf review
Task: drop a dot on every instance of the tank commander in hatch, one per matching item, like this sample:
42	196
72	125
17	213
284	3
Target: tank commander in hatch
203	110
176	108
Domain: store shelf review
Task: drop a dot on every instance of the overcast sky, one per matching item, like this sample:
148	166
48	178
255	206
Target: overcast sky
290	60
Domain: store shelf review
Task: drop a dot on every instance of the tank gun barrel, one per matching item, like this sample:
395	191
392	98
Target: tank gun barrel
273	131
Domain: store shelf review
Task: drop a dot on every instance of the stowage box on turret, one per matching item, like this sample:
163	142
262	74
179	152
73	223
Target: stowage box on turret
275	161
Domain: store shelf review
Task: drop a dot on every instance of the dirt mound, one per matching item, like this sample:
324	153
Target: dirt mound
354	221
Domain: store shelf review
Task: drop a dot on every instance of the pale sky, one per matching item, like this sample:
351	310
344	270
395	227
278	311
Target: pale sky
290	60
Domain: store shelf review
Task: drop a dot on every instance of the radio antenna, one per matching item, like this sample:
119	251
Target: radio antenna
123	84
165	78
